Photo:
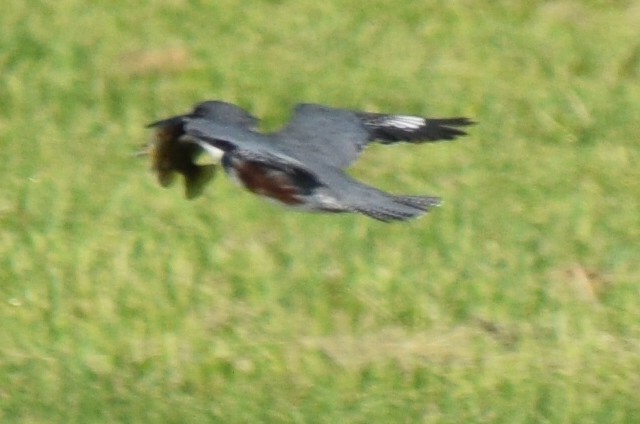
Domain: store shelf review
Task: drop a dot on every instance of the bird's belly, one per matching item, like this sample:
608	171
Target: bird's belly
268	182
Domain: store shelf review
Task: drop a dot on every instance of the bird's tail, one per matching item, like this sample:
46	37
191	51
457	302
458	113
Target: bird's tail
384	206
399	208
196	178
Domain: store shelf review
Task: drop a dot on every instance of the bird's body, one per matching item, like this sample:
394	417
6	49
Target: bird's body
303	165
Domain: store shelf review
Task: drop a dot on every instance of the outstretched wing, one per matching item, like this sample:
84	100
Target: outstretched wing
338	136
320	133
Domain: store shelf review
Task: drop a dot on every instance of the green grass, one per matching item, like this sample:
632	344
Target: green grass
516	302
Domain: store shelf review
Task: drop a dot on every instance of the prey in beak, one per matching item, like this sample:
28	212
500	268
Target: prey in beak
171	152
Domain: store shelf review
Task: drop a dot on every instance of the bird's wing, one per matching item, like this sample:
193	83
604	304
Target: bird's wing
320	133
338	136
397	128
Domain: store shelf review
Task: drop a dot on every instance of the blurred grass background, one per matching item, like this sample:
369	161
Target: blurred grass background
517	301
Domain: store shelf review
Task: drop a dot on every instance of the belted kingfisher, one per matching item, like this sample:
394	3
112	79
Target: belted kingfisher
302	165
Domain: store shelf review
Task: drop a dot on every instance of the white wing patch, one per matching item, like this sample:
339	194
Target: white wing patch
404	122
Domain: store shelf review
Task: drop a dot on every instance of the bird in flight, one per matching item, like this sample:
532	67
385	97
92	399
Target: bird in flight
302	165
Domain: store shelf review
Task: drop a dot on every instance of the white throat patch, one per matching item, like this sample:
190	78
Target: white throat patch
214	152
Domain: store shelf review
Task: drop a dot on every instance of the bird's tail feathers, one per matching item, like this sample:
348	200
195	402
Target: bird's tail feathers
398	208
424	203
